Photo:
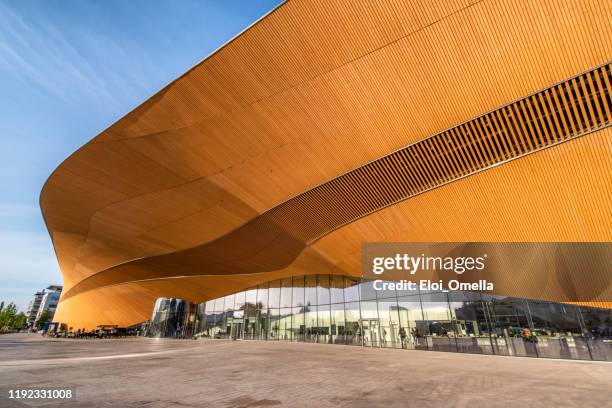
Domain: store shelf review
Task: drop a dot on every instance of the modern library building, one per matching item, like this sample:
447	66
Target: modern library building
234	202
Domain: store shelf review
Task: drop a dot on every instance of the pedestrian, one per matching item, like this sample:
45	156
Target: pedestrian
402	333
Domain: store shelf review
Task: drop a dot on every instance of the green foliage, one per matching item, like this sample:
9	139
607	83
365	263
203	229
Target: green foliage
10	319
20	321
45	316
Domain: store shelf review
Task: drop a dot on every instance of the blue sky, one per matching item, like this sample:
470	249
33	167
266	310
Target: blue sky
70	68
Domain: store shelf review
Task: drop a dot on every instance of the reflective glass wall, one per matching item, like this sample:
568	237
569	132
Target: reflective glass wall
343	310
169	318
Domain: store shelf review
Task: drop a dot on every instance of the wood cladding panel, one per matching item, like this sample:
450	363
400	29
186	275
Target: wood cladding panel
280	110
522	200
247	122
273	240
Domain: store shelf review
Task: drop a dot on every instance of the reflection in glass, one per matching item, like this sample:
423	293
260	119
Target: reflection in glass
310	323
228	303
370	324
410	312
337	323
471	325
274	295
262	296
367	291
336	289
323	331
323	290
239	300
285	296
298	329
327	309
273	324
351	291
251	296
298	291
310	290
284	324
389	323
436	325
352	319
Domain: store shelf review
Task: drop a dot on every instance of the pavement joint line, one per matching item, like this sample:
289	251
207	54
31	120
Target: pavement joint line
51	361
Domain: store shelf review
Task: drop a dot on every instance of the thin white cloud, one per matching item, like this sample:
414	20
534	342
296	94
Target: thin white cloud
42	55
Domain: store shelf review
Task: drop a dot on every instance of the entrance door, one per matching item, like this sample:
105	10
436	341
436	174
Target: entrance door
236	331
370	332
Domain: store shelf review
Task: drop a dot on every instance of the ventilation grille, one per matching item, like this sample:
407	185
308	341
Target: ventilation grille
564	111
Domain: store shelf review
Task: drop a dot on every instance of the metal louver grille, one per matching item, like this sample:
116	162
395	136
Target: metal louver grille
564	111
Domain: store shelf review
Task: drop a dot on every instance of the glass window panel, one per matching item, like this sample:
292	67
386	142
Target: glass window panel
273	324
251	296
351	291
337	323
310	289
219	304
437	326
389	323
250	310
262	296
323	290
510	329
286	289
352	319
298	291
370	323
369	310
223	323
411	313
250	321
274	295
310	323
209	306
297	324
229	302
284	324
385	293
262	324
557	331
435	306
471	327
323	331
213	325
366	290
597	323
239	300
336	289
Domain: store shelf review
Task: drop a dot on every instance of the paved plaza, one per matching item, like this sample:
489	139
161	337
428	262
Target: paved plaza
152	373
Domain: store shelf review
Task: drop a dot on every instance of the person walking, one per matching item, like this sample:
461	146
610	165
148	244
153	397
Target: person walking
402	333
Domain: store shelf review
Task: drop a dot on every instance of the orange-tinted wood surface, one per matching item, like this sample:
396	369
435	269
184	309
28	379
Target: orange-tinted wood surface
280	110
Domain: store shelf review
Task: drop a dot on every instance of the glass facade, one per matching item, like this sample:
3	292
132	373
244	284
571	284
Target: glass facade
169	318
342	310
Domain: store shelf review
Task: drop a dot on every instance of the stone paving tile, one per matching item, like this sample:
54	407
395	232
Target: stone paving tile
152	373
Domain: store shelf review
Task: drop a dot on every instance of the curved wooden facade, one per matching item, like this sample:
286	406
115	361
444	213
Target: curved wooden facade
272	157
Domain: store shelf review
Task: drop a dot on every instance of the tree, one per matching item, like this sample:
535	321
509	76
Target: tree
44	317
7	316
19	322
10	319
